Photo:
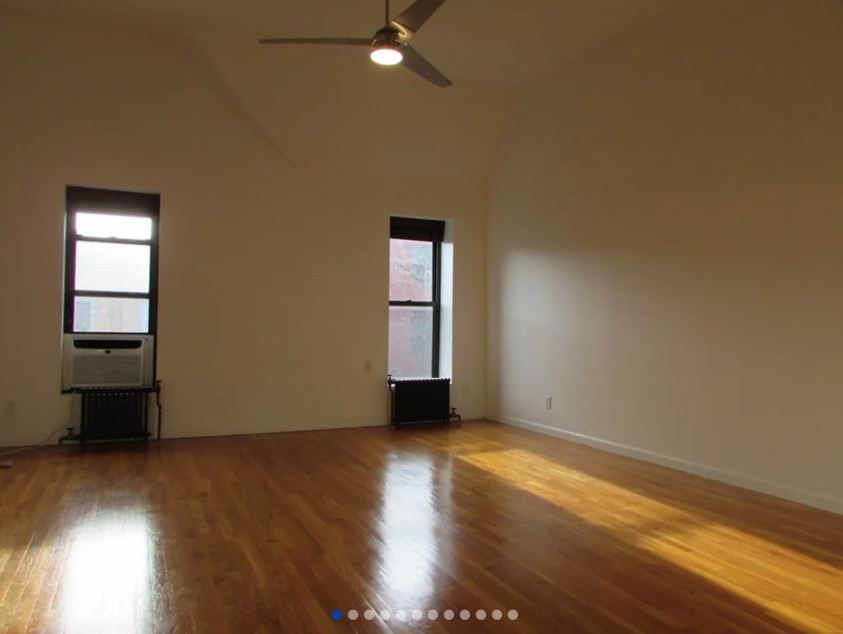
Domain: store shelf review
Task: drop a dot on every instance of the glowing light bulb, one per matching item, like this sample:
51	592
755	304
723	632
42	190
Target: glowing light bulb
386	55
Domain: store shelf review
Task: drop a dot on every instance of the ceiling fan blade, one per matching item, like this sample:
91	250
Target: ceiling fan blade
417	14
414	61
342	41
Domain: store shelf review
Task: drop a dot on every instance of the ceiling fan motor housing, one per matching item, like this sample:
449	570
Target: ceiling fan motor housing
389	36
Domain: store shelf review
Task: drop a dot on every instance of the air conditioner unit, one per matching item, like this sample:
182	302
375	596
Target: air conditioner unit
107	361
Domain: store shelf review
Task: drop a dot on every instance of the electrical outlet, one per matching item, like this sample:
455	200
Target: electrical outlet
548	402
465	390
10	408
367	366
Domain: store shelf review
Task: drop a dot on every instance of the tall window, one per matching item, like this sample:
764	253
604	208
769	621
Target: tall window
415	248
111	262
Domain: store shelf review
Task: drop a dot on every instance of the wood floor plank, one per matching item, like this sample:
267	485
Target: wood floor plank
271	533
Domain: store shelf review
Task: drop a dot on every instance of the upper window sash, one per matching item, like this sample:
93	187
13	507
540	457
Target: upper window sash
112	228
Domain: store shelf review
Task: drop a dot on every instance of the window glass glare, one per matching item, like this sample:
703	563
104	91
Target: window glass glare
113	226
106	266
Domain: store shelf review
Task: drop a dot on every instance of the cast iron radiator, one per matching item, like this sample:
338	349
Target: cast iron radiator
420	400
119	413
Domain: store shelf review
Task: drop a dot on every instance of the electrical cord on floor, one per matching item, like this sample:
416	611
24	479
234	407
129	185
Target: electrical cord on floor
5	464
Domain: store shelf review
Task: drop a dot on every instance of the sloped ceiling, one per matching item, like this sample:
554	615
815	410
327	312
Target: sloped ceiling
330	108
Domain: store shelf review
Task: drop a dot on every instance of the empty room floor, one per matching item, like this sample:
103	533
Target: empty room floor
273	533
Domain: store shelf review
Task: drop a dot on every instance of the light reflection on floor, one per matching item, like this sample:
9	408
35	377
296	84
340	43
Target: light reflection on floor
107	577
412	503
273	533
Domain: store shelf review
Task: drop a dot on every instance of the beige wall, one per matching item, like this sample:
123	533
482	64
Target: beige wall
666	248
273	280
663	244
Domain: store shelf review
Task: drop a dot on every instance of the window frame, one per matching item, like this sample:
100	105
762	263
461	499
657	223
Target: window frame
432	231
116	203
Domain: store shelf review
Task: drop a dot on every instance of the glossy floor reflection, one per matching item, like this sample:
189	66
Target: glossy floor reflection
106	577
273	533
410	518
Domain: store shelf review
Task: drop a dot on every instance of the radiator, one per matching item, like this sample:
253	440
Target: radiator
420	400
114	414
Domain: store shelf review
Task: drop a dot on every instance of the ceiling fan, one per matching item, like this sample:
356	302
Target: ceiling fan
390	44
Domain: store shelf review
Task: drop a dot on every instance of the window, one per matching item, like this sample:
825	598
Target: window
111	262
415	253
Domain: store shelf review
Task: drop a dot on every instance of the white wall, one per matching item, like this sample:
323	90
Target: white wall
666	247
273	280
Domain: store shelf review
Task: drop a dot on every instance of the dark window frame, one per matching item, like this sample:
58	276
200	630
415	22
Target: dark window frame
117	203
423	230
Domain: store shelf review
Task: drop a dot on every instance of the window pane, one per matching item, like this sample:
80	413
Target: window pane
102	266
111	314
108	226
410	270
410	341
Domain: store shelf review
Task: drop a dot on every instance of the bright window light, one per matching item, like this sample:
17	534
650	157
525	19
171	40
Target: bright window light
113	226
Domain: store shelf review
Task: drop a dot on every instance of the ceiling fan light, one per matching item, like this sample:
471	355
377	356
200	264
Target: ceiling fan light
386	55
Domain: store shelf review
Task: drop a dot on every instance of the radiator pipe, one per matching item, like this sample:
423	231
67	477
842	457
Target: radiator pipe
160	408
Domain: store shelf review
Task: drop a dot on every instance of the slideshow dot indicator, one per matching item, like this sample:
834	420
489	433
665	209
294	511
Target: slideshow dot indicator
416	614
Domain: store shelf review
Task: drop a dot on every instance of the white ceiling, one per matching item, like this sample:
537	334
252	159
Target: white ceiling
330	105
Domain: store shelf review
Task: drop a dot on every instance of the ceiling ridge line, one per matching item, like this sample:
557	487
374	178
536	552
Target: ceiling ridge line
214	78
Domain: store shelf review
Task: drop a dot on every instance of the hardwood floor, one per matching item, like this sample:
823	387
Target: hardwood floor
272	533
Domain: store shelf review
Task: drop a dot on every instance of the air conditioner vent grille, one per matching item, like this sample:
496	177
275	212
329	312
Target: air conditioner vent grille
96	361
106	369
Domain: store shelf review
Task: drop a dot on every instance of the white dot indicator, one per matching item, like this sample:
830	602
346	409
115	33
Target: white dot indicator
433	615
465	615
481	614
385	615
417	614
401	615
497	615
369	615
449	614
513	614
352	614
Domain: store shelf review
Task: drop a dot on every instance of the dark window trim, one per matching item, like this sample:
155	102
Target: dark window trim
80	238
422	230
82	292
106	201
112	201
